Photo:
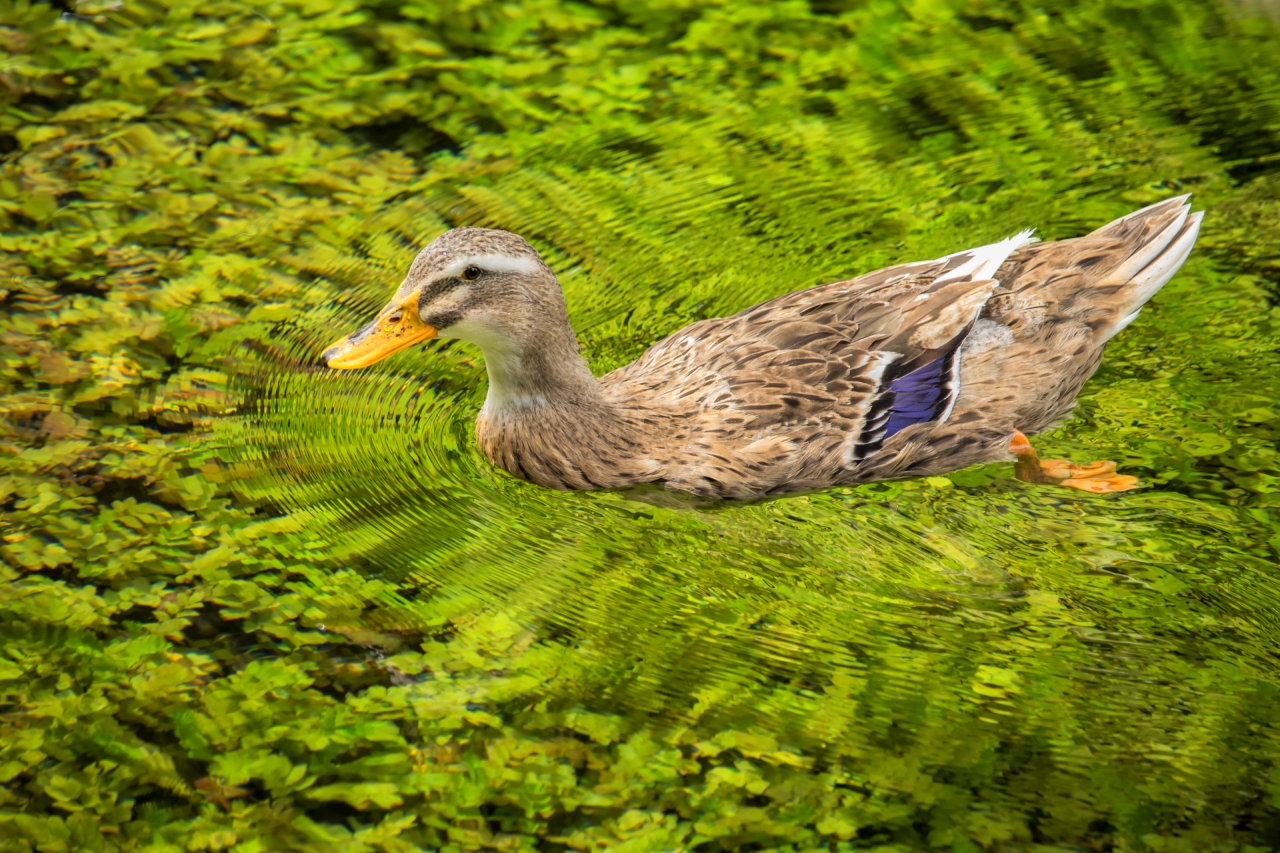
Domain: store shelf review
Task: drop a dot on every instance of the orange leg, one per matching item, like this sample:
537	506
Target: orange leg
1098	477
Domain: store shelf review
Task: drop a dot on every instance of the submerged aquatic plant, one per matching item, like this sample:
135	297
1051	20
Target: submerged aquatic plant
244	608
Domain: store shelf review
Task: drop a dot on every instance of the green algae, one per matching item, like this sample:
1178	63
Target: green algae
249	605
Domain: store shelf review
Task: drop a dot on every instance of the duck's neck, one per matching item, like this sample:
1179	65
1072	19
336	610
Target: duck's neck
547	420
541	372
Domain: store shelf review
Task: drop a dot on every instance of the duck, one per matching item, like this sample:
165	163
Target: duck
918	369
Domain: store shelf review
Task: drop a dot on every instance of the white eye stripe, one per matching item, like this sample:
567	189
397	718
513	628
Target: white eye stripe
491	263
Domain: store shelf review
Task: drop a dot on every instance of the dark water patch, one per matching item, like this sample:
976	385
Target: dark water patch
406	133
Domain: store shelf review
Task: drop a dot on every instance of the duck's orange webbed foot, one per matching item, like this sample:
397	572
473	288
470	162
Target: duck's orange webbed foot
1096	477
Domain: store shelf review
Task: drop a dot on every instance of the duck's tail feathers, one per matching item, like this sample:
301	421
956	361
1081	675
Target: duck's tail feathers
1160	238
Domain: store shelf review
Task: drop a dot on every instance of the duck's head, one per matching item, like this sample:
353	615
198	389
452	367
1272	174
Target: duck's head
484	286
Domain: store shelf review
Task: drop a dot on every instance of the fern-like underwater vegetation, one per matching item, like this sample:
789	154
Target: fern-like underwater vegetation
248	605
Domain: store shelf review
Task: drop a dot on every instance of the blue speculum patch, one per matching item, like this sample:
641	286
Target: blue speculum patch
921	395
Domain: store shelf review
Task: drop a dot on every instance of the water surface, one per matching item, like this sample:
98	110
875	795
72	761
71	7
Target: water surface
953	663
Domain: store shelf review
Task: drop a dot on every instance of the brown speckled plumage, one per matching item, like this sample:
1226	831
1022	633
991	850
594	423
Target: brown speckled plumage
916	369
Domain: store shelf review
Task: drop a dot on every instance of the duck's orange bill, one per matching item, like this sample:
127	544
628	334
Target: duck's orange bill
394	329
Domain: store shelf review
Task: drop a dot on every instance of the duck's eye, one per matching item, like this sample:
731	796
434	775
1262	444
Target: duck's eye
471	273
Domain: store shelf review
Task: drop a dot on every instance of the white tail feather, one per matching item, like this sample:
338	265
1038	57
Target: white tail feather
1150	250
1157	273
1122	324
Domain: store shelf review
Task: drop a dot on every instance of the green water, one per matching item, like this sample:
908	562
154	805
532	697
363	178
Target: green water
250	604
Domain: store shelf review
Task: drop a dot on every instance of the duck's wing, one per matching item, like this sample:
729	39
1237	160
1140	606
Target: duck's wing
784	391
